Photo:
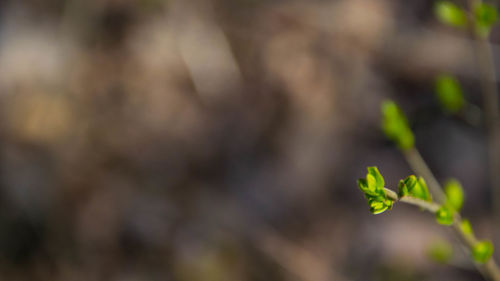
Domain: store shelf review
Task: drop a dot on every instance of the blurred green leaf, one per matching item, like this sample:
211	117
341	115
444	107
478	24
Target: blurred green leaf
482	251
440	251
415	187
444	216
485	16
395	125
466	227
450	14
449	94
454	194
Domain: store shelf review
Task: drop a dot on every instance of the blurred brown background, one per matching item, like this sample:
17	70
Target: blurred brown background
221	139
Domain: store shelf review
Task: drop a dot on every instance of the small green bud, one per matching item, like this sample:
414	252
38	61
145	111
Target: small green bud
454	194
466	227
415	187
444	216
482	251
403	189
440	251
449	94
485	16
395	126
450	14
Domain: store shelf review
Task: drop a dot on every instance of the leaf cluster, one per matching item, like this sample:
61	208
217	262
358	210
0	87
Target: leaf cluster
373	188
415	187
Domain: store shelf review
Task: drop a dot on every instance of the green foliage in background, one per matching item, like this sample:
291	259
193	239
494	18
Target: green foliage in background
482	251
449	94
373	188
440	251
485	16
415	187
450	14
395	125
454	194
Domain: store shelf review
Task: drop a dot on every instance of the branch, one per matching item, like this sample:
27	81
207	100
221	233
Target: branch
418	165
489	269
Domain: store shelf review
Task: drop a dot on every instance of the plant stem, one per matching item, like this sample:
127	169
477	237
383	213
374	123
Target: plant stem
426	205
487	80
418	165
491	108
489	269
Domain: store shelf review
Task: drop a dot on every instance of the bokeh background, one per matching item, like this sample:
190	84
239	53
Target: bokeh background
216	140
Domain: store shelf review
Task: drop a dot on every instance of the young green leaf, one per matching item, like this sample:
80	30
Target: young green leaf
485	16
373	171
449	94
444	216
454	194
415	187
378	206
482	251
440	251
395	126
466	227
450	14
373	188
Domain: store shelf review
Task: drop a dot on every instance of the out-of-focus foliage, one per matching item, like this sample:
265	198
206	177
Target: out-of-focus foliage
444	215
449	94
440	251
485	16
451	14
454	194
466	227
395	126
482	251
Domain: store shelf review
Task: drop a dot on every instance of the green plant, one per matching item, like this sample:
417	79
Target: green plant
413	190
446	203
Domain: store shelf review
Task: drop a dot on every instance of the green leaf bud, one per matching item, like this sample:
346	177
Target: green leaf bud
485	16
395	126
454	194
482	251
449	94
415	187
450	14
403	189
444	216
466	227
